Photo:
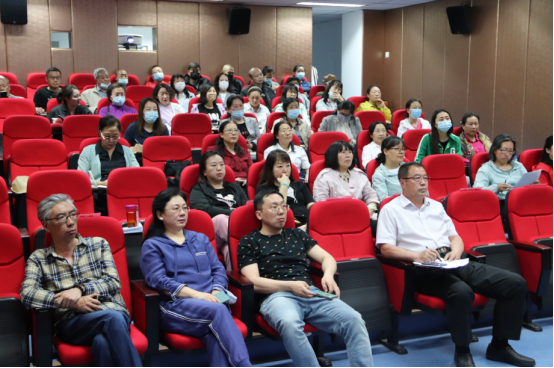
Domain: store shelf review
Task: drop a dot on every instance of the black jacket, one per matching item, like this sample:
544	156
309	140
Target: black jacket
203	198
236	85
201	82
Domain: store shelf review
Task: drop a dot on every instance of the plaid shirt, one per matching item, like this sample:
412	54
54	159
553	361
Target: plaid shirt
47	273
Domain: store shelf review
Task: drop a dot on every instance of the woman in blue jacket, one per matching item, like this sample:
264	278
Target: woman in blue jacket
183	267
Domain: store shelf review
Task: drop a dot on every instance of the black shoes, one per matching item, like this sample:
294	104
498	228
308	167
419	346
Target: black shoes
463	360
509	356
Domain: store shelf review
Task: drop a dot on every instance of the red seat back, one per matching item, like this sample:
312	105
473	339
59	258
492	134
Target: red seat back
530	212
31	155
241	79
12	78
189	178
195	127
53	102
15	106
105	102
82	80
205	76
357	100
89	141
315	90
369	117
196	100
266	140
127	120
476	162
274	116
446	173
78	127
411	140
315	169
5	217
137	93
254	177
313	103
320	142
530	158
317	118
34	80
132	80
210	140
150	80
387	200
12	264
17	90
363	140
158	150
457	131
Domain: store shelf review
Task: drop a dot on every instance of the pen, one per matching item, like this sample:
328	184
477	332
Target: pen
439	258
137	141
92	177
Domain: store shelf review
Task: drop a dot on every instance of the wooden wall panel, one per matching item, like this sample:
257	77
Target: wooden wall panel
412	54
60	15
374	48
537	123
95	35
28	47
63	60
392	86
294	41
136	13
138	63
258	48
3	54
513	27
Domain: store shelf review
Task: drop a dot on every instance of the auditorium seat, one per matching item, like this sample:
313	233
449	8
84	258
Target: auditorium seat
317	118
53	102
320	142
398	116
254	173
15	106
5	214
17	90
88	141
105	102
12	78
315	90
150	82
196	100
530	158
90	86
195	127
111	231
34	82
271	119
137	93
369	117
241	79
210	140
457	131
132	80
313	103
279	91
266	140
78	127
189	178
127	120
411	140
134	185
82	80
315	169
357	101
475	163
363	140
446	174
157	151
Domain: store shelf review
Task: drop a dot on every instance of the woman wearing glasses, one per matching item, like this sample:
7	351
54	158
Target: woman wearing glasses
385	179
183	267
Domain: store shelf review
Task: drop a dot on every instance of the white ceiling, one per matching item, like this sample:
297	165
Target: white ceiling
325	13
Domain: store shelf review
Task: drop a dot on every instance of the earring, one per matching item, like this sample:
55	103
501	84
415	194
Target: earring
161	219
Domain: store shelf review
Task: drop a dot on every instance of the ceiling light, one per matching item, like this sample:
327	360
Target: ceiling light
331	4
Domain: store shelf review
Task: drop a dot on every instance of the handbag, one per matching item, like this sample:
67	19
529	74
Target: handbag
172	171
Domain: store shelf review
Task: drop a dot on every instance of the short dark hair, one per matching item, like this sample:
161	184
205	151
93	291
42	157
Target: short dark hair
370	87
108	122
372	128
253	89
497	143
404	170
288	101
193	65
159	86
113	86
293	78
332	154
267	69
220	143
468	115
66	92
232	98
154	66
276	129
202	179
53	69
286	89
388	143
267	177
172	84
260	198
545	156
204	93
298	66
345	105
409	103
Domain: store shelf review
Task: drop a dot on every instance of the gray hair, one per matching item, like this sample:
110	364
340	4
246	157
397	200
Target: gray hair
97	71
45	206
4	78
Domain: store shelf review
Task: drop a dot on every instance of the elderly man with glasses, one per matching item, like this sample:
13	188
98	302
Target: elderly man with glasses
92	96
77	277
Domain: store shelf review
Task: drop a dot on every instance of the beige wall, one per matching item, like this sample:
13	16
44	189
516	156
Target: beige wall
279	36
501	71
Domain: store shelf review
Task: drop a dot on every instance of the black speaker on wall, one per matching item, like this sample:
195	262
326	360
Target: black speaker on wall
239	21
13	11
459	18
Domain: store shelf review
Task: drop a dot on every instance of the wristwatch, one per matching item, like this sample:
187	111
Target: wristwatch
82	288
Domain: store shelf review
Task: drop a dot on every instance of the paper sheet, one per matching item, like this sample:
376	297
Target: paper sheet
445	265
528	178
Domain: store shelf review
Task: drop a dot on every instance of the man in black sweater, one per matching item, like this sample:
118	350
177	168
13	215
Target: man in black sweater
43	95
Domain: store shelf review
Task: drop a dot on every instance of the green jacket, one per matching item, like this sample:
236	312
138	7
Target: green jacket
454	146
89	160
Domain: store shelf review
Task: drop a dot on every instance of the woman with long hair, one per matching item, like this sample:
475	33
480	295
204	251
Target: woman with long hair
441	139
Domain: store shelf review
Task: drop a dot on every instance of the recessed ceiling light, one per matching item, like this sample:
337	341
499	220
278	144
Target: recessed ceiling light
331	4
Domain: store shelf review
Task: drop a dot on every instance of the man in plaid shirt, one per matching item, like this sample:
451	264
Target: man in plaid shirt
77	277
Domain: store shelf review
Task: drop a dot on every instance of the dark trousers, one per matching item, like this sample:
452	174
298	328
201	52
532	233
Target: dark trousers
458	287
107	332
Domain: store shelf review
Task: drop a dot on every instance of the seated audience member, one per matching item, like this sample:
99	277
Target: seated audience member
501	172
291	91
277	176
122	77
77	278
546	163
257	77
302	96
43	95
117	108
163	94
157	74
375	103
209	106
233	154
194	78
147	125
377	133
255	107
343	120
235	84
269	74
217	198
5	87
326	80
440	140
222	88
302	128
413	118
285	303
182	94
100	159
188	302
299	72
248	126
69	100
282	140
417	229
385	177
471	139
93	95
340	178
331	97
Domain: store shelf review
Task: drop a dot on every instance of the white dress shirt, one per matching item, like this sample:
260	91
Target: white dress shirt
370	152
299	157
402	224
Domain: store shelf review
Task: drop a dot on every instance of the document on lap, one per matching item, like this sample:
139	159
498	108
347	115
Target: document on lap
444	265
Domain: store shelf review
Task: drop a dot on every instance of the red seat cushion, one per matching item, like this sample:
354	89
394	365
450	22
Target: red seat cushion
439	304
267	328
184	342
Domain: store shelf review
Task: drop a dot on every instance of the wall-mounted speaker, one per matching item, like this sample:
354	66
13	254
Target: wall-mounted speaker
239	21
13	11
459	18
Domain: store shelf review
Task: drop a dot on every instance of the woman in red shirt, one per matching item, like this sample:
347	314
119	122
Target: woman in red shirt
546	163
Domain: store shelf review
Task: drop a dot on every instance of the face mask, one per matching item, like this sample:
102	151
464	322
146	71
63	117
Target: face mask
195	75
118	100
268	81
123	81
238	114
331	94
415	113
444	126
230	76
158	76
151	116
342	118
223	85
104	86
180	86
300	75
293	114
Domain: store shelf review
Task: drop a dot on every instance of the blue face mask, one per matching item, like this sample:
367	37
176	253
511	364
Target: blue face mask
151	116
104	86
268	81
118	100
331	94
444	126
123	81
237	114
300	75
415	113
293	114
158	76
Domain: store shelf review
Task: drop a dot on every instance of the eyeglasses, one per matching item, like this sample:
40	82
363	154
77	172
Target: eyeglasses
418	178
55	78
287	131
399	149
179	209
275	208
229	131
503	150
63	218
108	138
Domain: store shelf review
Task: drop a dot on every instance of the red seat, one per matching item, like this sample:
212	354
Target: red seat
12	78
457	131
316	89
31	155
266	140
446	174
53	102
127	120
158	150
150	82
88	87
313	103
315	169
317	118
134	185
137	93
210	140
15	106
82	80
196	100
276	101
78	127
105	102
411	141
34	81
475	163
254	177
189	177
5	217
529	210
372	166
271	119
530	158
397	117
17	90
241	79
89	141
363	140
195	127
357	101
132	80
369	117
320	142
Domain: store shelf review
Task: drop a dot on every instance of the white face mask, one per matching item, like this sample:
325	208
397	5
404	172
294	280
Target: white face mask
180	86
223	85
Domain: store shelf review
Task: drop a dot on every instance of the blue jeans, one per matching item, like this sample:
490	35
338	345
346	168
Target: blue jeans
107	332
286	313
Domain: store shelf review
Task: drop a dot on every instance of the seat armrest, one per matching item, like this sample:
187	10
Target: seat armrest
43	332
146	313
245	307
476	257
535	263
73	160
239	281
531	247
400	279
140	288
395	262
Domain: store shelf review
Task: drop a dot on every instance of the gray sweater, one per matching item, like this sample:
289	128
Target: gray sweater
329	124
